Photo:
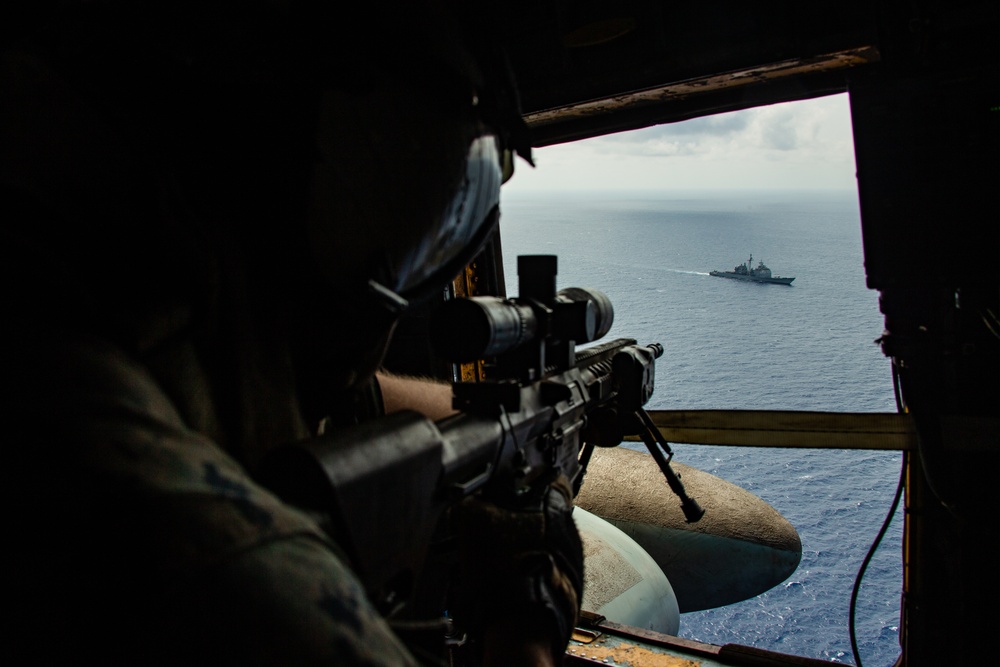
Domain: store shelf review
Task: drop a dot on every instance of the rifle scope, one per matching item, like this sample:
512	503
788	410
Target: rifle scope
478	327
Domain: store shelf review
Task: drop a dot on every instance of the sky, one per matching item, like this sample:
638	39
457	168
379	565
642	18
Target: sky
794	145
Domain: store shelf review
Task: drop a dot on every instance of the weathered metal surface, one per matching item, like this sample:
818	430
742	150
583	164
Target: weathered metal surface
602	642
629	653
683	89
630	647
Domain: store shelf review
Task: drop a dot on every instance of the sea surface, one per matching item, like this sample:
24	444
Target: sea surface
735	345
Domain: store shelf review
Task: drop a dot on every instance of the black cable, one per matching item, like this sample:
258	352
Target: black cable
868	557
881	532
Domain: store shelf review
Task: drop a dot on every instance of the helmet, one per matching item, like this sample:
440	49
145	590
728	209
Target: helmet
406	186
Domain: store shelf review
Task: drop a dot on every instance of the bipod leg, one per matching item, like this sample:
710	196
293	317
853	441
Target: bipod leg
662	454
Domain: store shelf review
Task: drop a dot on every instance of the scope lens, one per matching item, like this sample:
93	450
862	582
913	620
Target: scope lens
598	322
483	326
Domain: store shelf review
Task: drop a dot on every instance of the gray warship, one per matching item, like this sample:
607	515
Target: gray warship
760	274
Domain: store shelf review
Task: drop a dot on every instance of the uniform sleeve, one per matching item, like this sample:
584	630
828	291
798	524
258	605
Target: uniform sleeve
144	542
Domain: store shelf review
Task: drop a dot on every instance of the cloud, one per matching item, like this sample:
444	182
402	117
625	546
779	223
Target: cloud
692	137
780	132
798	145
721	125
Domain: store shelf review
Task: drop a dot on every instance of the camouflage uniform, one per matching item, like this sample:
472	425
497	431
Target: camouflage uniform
142	541
134	533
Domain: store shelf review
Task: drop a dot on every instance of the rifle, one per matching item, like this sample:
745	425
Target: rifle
381	487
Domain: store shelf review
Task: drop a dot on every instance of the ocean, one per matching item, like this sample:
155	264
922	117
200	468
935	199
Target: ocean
735	345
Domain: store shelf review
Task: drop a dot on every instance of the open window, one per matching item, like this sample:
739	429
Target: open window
645	216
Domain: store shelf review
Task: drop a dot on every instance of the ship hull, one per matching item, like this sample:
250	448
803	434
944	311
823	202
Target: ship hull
775	280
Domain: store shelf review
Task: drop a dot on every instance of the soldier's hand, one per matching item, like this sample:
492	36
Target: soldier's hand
522	568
